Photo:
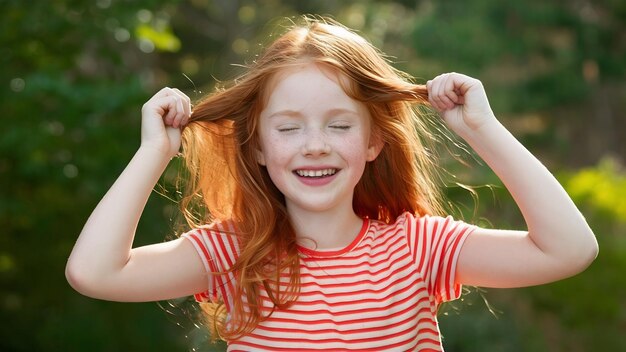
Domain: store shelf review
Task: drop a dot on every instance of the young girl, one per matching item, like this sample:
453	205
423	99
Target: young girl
316	220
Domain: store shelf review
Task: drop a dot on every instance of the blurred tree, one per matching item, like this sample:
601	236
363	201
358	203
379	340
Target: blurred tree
557	66
75	75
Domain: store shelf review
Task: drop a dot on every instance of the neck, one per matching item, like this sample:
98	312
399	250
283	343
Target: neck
325	230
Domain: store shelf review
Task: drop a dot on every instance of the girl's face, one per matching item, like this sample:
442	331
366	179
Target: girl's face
314	139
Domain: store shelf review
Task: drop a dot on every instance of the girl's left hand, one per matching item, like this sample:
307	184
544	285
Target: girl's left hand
461	100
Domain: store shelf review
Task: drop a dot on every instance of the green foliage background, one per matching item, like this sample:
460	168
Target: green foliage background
74	74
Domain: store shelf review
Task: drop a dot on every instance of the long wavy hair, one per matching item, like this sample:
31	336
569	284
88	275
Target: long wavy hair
225	182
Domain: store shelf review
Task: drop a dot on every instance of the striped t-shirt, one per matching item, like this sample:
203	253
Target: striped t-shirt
381	292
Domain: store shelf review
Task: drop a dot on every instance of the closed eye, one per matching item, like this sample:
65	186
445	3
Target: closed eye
341	127
287	129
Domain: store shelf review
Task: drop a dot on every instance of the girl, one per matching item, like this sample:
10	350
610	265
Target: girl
315	217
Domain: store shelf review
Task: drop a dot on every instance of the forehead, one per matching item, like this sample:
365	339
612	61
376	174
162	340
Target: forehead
306	86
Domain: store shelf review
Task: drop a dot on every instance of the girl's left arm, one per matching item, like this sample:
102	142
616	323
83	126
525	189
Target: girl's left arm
558	243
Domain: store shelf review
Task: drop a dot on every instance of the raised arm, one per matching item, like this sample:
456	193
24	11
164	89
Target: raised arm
558	243
103	263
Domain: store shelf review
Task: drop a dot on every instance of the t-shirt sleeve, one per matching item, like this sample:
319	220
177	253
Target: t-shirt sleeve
218	249
436	243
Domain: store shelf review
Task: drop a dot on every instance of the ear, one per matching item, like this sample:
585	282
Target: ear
260	157
375	146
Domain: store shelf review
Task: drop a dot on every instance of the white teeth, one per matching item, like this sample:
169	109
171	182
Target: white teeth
316	173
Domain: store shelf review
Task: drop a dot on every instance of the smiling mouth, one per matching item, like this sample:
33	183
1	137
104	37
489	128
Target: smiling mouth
316	173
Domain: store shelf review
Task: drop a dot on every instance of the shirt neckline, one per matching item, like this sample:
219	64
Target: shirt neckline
340	251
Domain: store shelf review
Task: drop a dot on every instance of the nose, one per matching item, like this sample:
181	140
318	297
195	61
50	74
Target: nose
315	143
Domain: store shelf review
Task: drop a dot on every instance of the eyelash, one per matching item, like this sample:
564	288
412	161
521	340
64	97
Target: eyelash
338	127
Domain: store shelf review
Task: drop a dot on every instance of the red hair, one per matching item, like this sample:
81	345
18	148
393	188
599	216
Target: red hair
225	182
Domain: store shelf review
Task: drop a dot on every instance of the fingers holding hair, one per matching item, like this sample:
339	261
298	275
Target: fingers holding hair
445	91
461	100
176	107
182	119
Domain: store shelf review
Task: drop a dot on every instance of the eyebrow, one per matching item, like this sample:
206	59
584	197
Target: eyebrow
296	113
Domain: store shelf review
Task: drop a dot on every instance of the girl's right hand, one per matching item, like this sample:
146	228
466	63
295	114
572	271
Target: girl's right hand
162	118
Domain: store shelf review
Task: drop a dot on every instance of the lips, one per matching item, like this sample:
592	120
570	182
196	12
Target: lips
316	173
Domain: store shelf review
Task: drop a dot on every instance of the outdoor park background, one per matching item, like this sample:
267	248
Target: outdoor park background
74	74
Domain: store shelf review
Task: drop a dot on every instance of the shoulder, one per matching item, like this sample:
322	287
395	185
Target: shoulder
427	228
411	226
217	228
217	236
217	244
408	220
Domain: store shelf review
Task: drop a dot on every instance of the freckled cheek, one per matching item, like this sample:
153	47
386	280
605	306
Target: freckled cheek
279	150
353	150
355	157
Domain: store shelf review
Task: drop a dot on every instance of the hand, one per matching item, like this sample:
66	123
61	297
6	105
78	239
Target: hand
461	101
162	118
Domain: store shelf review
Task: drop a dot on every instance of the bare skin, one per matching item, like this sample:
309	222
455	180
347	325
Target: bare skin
103	263
558	243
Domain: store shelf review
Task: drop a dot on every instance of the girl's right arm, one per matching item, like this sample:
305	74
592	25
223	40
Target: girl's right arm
103	263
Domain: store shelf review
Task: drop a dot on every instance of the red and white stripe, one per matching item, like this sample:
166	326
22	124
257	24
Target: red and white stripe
379	293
